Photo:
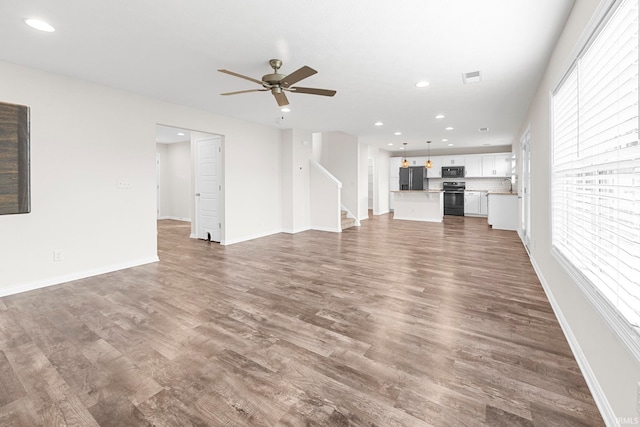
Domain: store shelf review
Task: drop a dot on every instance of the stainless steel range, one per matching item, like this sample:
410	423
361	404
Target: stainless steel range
454	198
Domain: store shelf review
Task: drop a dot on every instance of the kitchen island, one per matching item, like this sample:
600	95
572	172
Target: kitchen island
425	205
503	210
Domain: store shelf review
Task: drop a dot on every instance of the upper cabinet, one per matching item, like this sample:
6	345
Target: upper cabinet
452	160
496	165
436	170
476	165
416	161
473	166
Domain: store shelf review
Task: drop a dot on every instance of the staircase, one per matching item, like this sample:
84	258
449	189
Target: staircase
346	222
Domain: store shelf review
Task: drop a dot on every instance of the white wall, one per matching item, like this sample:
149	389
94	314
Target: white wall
163	178
380	180
83	138
175	180
296	153
339	154
363	181
606	363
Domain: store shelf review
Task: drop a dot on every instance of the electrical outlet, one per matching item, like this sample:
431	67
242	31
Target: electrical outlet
57	255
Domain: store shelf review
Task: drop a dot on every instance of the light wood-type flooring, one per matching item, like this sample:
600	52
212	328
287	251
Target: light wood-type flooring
394	323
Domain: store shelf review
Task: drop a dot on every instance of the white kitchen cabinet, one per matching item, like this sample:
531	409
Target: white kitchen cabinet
452	160
417	161
473	166
436	169
503	211
496	165
472	203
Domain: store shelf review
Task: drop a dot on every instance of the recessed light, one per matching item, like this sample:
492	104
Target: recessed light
448	128
440	116
449	145
180	134
398	133
402	148
377	124
285	110
39	25
391	143
422	84
445	140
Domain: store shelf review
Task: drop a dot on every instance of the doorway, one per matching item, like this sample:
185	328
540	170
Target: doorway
525	195
189	180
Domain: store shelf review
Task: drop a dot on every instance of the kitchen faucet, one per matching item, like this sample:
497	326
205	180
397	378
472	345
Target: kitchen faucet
510	184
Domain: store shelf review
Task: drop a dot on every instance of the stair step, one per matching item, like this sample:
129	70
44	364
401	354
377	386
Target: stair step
348	223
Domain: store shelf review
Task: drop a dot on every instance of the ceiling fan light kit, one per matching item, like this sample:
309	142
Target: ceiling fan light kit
279	83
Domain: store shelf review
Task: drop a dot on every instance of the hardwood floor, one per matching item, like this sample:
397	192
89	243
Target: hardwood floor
394	323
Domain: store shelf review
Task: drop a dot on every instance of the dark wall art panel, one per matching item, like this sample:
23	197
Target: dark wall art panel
15	197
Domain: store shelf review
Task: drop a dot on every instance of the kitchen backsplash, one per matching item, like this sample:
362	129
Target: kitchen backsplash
474	184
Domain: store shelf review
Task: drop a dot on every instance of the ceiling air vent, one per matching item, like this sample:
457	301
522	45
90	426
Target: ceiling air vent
471	77
484	129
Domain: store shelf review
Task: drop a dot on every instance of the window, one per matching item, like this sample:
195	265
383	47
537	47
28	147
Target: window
596	171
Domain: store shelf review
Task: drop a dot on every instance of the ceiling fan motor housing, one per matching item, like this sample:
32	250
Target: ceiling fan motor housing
269	80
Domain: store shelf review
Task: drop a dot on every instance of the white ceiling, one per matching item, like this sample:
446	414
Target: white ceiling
372	52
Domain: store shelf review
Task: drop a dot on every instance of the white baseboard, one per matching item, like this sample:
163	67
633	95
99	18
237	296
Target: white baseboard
296	230
599	397
330	229
247	238
75	276
175	218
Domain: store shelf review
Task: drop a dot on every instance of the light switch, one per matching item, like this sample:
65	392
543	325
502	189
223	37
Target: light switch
124	183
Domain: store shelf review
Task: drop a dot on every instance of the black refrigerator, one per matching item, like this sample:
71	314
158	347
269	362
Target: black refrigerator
412	178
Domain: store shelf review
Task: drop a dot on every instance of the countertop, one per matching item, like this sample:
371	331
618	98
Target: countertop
504	193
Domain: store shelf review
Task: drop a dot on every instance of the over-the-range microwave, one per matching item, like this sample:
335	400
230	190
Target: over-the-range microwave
453	171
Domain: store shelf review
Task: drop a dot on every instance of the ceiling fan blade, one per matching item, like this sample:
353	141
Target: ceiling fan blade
313	91
231	73
296	76
244	91
281	98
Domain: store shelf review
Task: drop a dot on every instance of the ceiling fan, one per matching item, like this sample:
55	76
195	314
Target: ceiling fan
278	83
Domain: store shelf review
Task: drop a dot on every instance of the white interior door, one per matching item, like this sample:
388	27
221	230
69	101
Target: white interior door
525	194
208	189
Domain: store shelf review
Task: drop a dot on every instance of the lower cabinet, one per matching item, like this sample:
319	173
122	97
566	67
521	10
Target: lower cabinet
475	203
503	211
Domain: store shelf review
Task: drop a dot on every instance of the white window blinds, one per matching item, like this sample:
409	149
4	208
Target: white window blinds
596	165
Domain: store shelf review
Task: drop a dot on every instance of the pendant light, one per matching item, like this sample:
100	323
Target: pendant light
405	162
429	163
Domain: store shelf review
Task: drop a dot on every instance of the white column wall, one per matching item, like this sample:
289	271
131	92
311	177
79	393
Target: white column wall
296	153
339	154
380	180
363	182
